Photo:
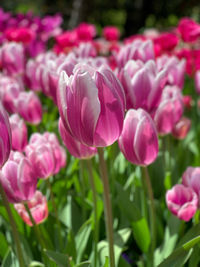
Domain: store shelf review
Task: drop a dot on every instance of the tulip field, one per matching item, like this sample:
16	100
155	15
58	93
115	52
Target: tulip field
99	145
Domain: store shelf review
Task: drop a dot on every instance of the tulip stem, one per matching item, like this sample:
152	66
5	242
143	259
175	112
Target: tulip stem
94	196
108	208
14	228
147	182
55	211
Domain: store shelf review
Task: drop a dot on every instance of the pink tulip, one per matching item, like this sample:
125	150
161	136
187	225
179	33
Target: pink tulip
175	68
13	58
197	81
138	141
29	107
19	133
188	101
18	178
142	50
182	202
23	34
143	84
75	148
91	104
86	32
5	136
166	41
37	206
191	178
111	33
169	111
181	129
85	50
189	30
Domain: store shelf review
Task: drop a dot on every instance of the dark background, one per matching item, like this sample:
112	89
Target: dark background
131	16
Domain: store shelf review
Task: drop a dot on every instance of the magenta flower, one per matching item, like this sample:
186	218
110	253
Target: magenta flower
189	30
182	201
170	110
18	178
74	147
111	33
191	178
19	133
5	136
37	206
181	129
91	104
29	107
86	32
197	81
143	84
138	141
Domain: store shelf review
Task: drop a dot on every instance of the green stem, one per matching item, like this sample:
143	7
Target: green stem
14	227
55	211
108	209
94	196
83	190
147	182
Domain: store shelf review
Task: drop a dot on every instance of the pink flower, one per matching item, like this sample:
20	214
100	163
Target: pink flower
197	81
24	35
74	147
19	133
29	107
86	50
91	104
166	41
143	84
138	141
111	33
86	32
38	208
189	30
5	136
18	178
142	50
181	128
191	178
169	110
187	101
182	201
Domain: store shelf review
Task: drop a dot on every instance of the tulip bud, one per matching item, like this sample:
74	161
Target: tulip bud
18	178
91	104
37	206
5	136
138	141
181	128
182	201
19	133
75	148
191	178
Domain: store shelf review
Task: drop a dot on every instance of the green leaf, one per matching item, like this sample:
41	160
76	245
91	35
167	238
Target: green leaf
10	259
71	245
36	264
62	260
180	255
84	264
4	245
138	222
82	237
106	264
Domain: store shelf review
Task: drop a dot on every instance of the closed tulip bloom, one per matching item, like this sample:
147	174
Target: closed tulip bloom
143	84
85	50
37	206
181	128
138	49
19	133
169	111
29	107
111	33
91	104
74	147
182	201
18	178
191	178
5	136
138	141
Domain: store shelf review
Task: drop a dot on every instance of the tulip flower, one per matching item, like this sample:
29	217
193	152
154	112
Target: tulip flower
169	111
182	201
19	133
138	141
74	147
181	129
91	104
37	206
85	31
5	136
18	178
191	178
197	81
111	33
29	107
189	30
143	84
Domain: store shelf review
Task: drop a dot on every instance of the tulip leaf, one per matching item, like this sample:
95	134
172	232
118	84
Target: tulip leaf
36	264
181	254
62	260
84	264
4	245
10	259
138	222
106	264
